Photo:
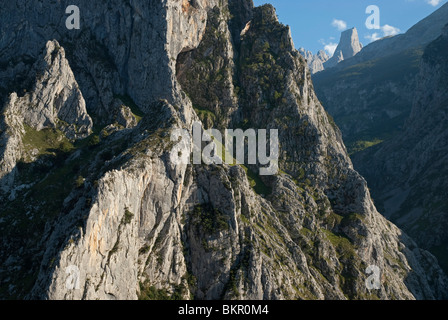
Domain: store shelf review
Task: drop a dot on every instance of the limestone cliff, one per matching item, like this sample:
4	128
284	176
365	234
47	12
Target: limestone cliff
135	223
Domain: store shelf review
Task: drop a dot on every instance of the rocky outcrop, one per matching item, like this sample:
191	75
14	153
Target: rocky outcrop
348	47
11	149
407	174
315	62
210	68
54	101
131	221
56	97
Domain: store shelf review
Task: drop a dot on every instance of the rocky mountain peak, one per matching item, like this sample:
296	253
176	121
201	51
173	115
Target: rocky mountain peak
53	101
315	62
56	87
308	55
321	54
348	47
349	44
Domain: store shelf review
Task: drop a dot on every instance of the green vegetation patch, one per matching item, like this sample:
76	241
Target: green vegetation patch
344	247
128	215
359	146
205	115
351	219
128	102
256	183
150	292
210	220
47	141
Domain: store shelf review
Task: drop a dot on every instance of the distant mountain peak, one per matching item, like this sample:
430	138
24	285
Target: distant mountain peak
315	61
348	47
418	36
323	55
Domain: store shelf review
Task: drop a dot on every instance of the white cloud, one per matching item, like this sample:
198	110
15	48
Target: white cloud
341	25
373	37
387	31
434	3
331	48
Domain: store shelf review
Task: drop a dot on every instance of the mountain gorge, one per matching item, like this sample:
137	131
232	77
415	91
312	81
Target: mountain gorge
389	105
89	181
371	94
408	172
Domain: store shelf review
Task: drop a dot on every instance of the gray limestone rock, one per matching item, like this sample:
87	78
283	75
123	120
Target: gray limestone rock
348	47
54	101
315	62
132	222
56	96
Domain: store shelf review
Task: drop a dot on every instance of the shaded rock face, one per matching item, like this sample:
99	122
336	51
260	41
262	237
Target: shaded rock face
115	51
128	221
408	173
348	47
370	102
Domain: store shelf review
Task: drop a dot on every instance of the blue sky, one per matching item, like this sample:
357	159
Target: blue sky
317	24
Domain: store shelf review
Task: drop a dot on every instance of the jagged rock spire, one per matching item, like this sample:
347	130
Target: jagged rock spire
348	47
